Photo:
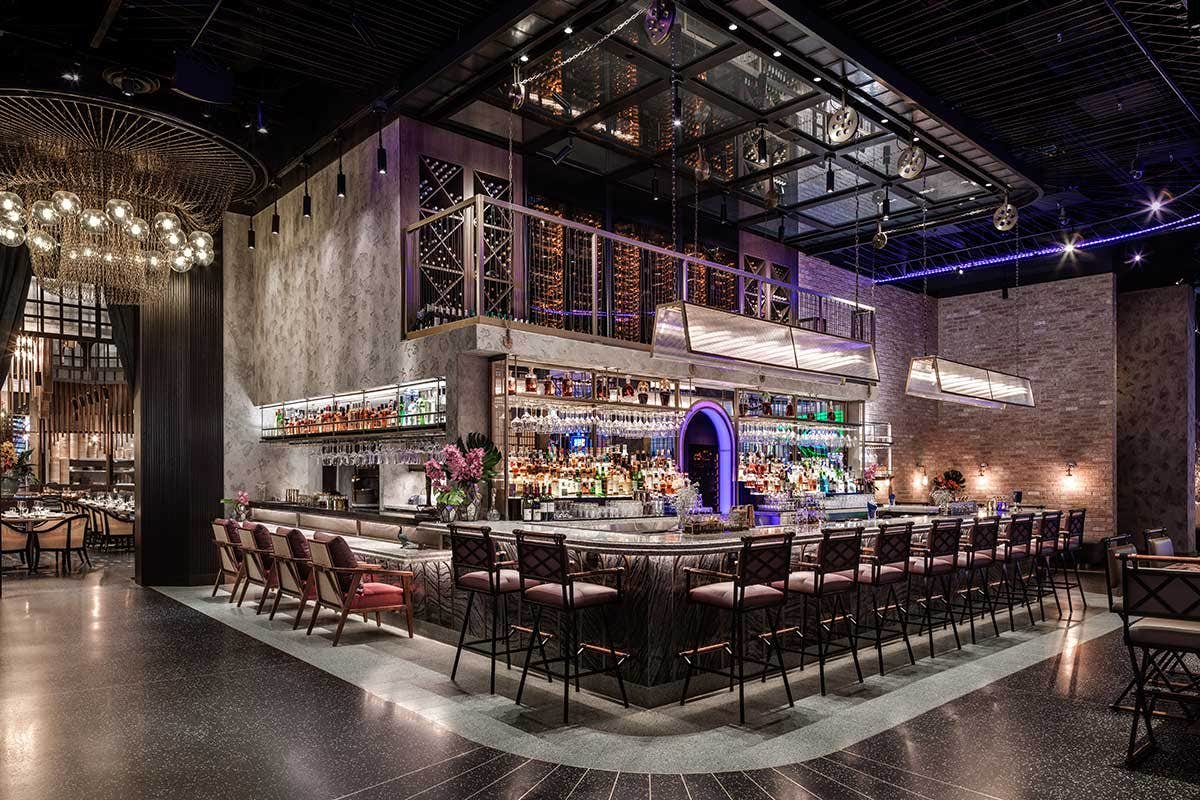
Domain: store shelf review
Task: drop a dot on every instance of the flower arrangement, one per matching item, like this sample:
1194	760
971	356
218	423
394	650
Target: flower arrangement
951	480
240	503
17	467
8	456
455	478
868	478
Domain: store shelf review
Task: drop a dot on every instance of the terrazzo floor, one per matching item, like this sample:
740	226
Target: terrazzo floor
110	690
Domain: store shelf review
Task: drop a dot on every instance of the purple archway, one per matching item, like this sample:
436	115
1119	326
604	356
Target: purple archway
726	449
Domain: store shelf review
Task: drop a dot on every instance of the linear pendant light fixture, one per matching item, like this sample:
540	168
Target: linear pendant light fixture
937	378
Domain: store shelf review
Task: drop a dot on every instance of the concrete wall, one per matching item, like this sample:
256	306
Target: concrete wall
1156	411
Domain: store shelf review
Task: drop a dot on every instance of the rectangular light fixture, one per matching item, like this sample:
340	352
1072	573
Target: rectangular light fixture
700	335
937	378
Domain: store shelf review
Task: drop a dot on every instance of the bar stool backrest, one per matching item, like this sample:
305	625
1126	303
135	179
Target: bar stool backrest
840	551
1115	547
1160	546
765	560
1020	529
65	534
470	552
258	564
893	544
297	565
944	536
1051	525
984	535
1159	592
542	557
1075	526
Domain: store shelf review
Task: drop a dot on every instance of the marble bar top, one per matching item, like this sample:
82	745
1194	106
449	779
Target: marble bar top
598	536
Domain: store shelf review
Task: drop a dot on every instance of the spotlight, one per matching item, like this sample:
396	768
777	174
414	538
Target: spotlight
1137	257
565	151
1155	205
380	151
250	235
725	209
883	120
816	79
776	53
307	204
677	109
829	174
941	155
760	147
341	176
733	26
887	202
275	214
568	30
262	119
71	76
654	193
960	270
1069	247
524	58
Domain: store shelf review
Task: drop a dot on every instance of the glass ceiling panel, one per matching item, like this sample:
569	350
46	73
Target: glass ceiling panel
647	128
756	81
812	121
698	40
570	91
840	212
940	186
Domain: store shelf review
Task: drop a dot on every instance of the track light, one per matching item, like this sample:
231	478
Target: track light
886	206
565	151
829	181
380	152
341	176
654	193
307	205
760	147
250	235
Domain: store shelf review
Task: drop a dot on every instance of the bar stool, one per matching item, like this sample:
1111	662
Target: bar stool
936	563
975	558
542	559
885	567
1068	548
1045	548
1013	554
827	581
476	569
764	562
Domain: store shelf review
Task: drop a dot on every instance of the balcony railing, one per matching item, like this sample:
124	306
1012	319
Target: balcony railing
490	258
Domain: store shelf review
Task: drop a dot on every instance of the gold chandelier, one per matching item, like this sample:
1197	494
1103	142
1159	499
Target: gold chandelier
110	198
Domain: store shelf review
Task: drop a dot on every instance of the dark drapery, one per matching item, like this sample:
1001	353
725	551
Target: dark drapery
125	321
16	270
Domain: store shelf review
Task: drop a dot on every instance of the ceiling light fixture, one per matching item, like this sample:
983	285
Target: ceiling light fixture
568	30
275	212
733	26
760	147
676	104
776	53
524	58
306	205
654	192
250	235
817	79
341	176
72	76
262	119
380	151
941	155
829	177
564	151
887	201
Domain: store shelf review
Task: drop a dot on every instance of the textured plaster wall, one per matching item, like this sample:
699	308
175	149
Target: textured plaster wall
1156	412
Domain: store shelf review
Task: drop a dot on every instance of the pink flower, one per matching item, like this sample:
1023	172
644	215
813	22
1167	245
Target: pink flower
437	475
243	498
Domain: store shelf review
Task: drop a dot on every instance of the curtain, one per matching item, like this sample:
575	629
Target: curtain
125	325
16	271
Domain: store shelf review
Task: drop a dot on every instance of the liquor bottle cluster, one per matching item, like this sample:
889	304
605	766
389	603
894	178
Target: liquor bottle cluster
782	406
766	472
413	407
568	384
598	472
431	315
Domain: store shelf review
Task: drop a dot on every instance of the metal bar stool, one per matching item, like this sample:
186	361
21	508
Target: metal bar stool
975	558
542	559
759	582
936	563
476	569
1069	546
1045	548
884	567
1012	556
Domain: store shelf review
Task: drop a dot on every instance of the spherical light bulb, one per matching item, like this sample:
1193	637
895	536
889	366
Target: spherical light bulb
182	261
66	202
10	201
70	253
137	229
204	258
201	240
119	211
42	242
173	240
45	213
94	220
13	216
11	236
108	256
87	251
165	222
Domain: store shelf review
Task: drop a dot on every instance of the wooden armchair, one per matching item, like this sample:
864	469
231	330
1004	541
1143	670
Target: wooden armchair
229	557
293	570
346	585
14	541
118	528
258	564
63	538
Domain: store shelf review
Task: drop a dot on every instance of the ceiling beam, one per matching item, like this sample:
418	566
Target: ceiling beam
106	21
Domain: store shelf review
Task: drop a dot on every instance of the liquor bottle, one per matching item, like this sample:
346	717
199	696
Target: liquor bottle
627	389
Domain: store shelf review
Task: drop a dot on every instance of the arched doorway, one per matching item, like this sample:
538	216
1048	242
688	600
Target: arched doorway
707	452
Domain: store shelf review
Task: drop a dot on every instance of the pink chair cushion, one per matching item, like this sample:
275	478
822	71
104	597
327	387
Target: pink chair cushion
340	554
1014	553
298	547
887	574
377	595
582	594
982	559
805	582
722	595
509	580
940	566
262	541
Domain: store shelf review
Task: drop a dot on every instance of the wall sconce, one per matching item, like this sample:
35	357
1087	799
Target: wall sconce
1070	466
982	468
923	478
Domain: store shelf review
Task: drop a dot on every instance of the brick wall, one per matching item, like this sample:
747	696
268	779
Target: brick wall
1062	336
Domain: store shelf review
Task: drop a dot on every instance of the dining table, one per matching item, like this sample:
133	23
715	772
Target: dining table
30	522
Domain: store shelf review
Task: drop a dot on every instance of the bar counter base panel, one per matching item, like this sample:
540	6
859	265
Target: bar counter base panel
657	735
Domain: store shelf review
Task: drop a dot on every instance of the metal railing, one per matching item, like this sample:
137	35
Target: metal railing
485	257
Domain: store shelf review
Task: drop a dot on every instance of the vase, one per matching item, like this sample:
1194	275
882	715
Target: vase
942	499
468	509
447	513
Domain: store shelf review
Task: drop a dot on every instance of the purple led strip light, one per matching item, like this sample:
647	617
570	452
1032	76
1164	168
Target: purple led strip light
1049	250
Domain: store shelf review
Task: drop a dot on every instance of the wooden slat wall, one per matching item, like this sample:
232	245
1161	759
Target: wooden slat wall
88	408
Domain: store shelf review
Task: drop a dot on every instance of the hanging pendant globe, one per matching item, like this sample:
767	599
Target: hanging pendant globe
119	211
12	236
42	242
182	260
67	203
44	212
137	229
14	216
201	240
204	258
165	222
94	220
173	240
11	202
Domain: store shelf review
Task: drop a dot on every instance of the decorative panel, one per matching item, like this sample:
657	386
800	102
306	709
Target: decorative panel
498	247
442	246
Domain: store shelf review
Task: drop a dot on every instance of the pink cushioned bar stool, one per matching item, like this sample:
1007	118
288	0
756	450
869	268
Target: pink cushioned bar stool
1014	557
763	562
1069	545
937	564
477	569
1045	550
975	558
542	562
884	568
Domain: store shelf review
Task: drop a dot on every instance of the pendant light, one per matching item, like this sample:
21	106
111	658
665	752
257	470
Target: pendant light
380	151
341	176
250	235
829	173
275	213
725	209
760	147
306	208
654	187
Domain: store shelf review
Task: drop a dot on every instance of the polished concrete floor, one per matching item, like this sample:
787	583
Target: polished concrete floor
109	690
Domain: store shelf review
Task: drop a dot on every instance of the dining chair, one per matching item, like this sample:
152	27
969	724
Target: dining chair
64	537
344	585
259	564
229	557
14	541
118	528
293	570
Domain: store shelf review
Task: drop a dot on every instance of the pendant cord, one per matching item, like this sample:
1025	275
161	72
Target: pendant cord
924	261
